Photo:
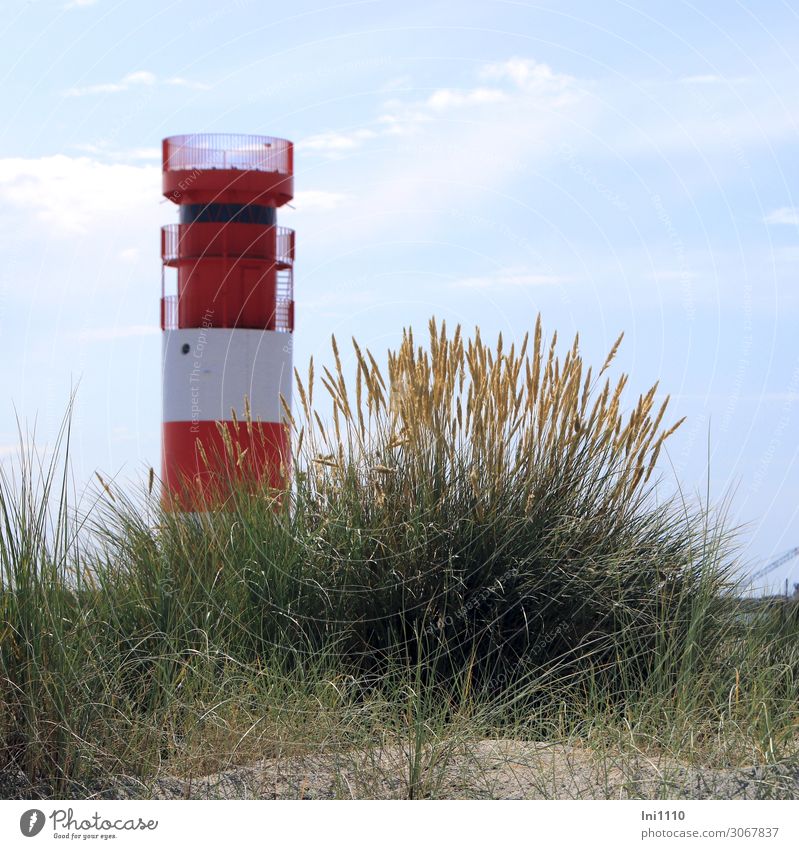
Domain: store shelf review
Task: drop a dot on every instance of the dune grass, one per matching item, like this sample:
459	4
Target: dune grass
470	547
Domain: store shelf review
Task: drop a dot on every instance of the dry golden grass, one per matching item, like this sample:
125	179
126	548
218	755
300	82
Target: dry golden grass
497	411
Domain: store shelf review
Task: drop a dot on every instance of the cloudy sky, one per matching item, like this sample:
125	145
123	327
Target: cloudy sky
614	165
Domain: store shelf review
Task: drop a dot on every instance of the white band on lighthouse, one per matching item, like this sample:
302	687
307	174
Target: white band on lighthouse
208	372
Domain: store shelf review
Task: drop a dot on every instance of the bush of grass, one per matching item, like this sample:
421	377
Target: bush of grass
474	533
484	509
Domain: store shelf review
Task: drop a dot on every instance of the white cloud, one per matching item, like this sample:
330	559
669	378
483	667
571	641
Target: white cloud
402	118
463	143
73	194
139	153
784	215
135	79
528	75
79	4
336	142
314	200
182	81
509	279
129	255
524	85
401	83
139	78
528	84
447	98
119	203
102	148
518	108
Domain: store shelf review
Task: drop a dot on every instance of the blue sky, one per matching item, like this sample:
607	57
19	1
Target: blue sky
615	166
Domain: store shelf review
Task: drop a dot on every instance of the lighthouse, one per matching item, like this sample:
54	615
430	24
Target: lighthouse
227	329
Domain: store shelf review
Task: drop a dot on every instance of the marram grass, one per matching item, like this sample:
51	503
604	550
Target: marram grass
503	414
469	544
488	508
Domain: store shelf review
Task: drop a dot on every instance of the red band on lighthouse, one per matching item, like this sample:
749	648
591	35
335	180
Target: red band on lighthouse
227	363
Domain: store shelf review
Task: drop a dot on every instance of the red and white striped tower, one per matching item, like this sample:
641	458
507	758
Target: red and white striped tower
227	333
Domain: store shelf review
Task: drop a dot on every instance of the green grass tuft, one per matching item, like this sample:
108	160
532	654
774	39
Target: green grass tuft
470	548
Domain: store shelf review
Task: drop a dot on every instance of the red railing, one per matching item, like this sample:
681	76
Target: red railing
284	305
173	246
170	242
285	246
220	151
284	301
169	312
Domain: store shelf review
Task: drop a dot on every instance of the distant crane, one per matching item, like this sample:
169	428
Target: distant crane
775	564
